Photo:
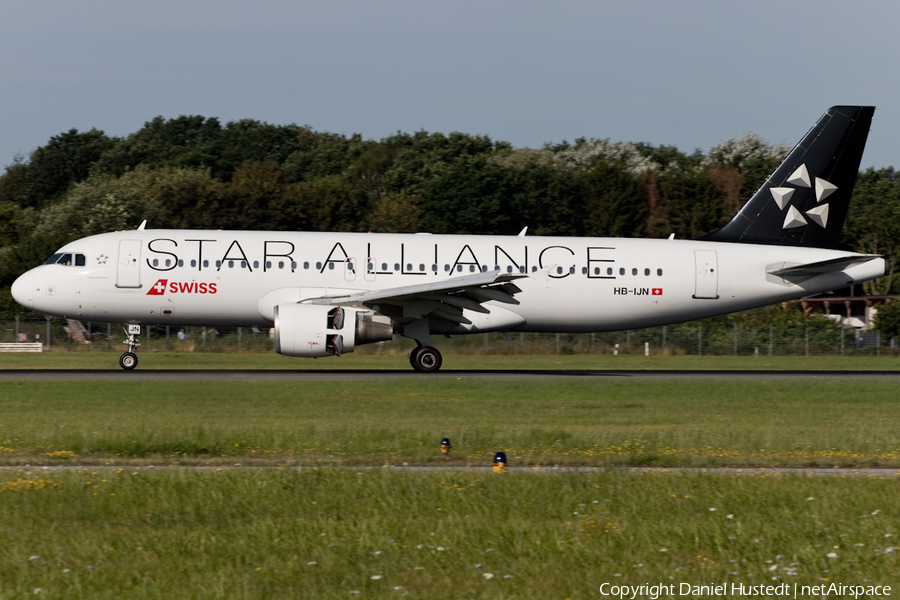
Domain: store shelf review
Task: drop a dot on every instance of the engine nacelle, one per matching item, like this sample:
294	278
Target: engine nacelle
313	330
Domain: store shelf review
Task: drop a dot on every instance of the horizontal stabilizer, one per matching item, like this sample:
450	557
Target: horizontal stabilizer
834	265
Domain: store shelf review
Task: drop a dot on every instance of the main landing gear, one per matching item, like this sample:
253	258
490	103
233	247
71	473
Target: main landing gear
129	360
425	359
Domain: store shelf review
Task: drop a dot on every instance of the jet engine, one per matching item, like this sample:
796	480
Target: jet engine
314	330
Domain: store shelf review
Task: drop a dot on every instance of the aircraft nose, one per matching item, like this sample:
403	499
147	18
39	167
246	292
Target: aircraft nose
23	290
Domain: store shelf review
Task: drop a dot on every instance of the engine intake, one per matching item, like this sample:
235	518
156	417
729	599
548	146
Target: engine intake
314	330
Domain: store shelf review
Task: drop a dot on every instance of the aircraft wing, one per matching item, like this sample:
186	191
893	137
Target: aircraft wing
446	298
833	265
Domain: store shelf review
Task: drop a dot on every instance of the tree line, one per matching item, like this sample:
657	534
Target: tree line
195	172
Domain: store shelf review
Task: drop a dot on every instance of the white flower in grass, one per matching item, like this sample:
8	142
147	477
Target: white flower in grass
38	590
312	562
440	548
488	575
377	552
375	577
712	510
507	577
831	555
354	591
67	570
811	498
729	516
33	557
876	512
663	550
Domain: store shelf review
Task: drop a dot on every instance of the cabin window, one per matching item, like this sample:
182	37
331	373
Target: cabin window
621	271
206	263
268	264
230	264
434	268
584	270
218	264
79	260
331	266
305	264
409	266
609	270
384	266
634	271
571	270
534	269
509	269
255	264
318	266
471	268
659	272
293	265
559	270
168	262
422	268
396	266
243	264
446	268
596	270
647	272
155	262
522	269
180	263
459	268
193	263
281	264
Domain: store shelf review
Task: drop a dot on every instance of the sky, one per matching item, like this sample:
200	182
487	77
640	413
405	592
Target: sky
689	74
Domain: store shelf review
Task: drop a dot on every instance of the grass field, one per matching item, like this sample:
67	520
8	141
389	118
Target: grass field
117	528
606	422
398	361
334	534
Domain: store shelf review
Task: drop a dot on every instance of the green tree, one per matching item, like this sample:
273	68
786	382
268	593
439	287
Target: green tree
66	159
887	319
873	223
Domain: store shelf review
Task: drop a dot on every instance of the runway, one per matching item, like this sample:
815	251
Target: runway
370	375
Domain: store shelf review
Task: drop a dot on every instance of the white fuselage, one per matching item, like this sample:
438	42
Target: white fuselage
181	277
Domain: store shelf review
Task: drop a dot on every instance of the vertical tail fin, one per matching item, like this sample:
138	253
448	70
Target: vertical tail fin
805	201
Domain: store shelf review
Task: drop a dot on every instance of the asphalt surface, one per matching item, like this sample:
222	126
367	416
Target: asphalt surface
366	375
425	468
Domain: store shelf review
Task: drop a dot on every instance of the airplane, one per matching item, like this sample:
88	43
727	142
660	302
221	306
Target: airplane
326	293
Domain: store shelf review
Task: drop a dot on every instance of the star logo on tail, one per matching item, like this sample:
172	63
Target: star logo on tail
800	178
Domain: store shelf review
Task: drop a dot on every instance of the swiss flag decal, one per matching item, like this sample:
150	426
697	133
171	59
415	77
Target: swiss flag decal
657	291
159	288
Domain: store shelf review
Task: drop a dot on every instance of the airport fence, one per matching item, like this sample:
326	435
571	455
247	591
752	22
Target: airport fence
812	336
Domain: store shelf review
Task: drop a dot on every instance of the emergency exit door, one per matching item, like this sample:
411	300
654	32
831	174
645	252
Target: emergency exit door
706	284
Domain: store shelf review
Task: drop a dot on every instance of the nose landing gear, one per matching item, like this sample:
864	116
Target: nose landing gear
129	360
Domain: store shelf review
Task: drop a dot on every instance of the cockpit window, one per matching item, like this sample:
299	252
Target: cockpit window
67	259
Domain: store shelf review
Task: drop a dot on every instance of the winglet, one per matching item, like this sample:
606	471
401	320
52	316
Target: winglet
522	233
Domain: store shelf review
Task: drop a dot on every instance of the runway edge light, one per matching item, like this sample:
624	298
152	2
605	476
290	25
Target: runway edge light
500	462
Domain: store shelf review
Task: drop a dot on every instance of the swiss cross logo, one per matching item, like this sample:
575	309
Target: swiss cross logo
158	288
657	291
